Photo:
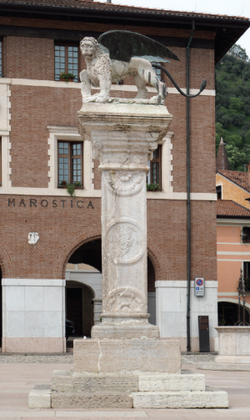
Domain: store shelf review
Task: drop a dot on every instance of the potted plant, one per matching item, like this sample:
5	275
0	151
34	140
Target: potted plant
67	77
71	187
153	187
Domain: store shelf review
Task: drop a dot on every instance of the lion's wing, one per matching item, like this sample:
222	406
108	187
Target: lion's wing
123	45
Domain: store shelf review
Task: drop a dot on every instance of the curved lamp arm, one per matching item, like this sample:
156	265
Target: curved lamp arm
202	87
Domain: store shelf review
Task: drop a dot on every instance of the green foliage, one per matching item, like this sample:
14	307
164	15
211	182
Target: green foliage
236	157
233	106
71	188
238	52
153	187
66	76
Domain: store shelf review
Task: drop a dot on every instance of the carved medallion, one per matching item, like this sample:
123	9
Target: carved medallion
124	242
124	301
125	183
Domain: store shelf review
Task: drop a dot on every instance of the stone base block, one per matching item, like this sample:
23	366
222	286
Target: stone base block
91	400
68	381
171	382
127	356
181	399
40	397
62	381
232	359
143	330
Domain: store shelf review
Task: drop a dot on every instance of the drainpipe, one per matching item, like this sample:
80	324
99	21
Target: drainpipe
188	195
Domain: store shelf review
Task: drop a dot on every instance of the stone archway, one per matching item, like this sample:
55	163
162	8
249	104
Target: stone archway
79	307
84	287
228	313
84	270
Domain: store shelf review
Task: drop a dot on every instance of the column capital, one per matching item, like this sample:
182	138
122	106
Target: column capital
124	136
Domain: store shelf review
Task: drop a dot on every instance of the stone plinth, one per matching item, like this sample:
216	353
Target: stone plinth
135	355
234	345
123	137
126	390
181	399
126	364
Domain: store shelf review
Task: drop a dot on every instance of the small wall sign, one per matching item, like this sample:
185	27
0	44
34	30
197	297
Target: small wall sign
33	238
199	286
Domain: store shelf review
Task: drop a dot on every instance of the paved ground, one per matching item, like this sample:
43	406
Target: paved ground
19	373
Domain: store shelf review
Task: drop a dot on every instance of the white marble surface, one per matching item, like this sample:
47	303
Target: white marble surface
171	312
91	279
123	137
31	309
233	341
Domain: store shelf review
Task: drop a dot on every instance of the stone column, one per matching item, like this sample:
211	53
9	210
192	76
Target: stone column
123	137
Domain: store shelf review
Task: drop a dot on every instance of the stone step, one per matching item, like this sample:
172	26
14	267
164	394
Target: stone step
171	382
69	381
91	400
182	399
40	396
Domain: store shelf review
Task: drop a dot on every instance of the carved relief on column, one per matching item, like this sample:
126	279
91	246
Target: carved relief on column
124	183
124	242
125	301
123	139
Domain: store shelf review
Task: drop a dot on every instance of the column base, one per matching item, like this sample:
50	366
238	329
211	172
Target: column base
126	330
122	355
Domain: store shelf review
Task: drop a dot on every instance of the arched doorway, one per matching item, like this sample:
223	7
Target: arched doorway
79	307
228	313
84	288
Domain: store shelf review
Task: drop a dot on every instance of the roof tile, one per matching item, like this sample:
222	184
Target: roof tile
238	177
229	208
94	5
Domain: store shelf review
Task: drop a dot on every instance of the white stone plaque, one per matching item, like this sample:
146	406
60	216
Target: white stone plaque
33	238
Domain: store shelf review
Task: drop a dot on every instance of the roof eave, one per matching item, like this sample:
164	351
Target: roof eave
216	23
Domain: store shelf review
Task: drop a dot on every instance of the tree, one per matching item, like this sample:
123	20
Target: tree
238	52
236	157
233	105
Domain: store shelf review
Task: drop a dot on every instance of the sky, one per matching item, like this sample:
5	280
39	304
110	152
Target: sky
218	7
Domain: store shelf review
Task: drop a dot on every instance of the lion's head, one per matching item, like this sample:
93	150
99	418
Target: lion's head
90	48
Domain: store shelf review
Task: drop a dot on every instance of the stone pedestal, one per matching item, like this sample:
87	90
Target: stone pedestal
234	345
123	137
127	355
125	364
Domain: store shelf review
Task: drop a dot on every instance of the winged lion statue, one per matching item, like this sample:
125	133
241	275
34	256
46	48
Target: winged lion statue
119	54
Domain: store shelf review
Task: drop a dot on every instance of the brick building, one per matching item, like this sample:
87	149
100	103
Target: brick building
58	275
233	238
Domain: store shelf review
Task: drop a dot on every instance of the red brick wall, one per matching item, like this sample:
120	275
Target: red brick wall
65	225
167	236
29	58
32	110
61	229
61	226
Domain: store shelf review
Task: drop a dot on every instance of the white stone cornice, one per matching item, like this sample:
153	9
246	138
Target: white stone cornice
33	282
115	88
91	193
